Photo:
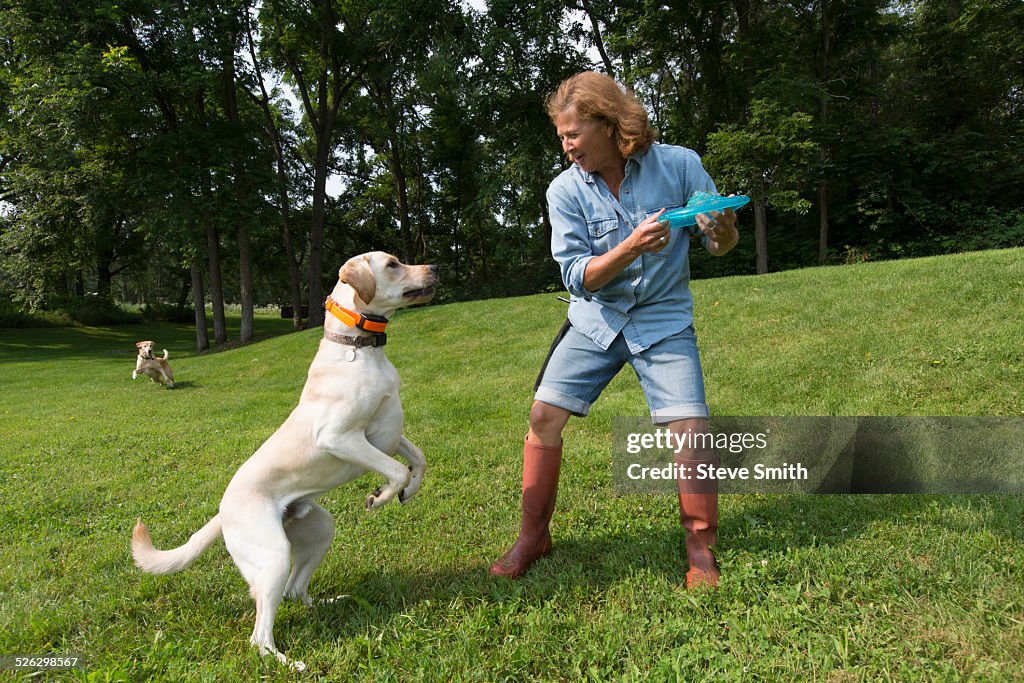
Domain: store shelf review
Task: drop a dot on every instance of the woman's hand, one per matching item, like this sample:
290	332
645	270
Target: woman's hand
720	229
652	235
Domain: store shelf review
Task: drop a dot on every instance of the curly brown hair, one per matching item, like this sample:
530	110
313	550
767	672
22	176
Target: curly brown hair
595	95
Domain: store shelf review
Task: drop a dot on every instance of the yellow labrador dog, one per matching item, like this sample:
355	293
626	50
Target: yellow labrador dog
157	369
348	422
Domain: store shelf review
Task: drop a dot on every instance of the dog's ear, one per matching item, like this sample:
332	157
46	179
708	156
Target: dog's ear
138	345
357	274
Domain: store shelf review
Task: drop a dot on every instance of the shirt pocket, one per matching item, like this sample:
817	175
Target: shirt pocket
604	233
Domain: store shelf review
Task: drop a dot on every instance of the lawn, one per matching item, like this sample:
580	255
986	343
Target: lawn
830	588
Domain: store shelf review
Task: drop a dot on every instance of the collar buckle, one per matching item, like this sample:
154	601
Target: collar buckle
375	324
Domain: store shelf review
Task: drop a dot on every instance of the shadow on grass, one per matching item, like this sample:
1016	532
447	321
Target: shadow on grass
81	343
601	560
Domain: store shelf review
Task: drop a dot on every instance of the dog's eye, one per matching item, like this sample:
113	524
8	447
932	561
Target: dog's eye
393	264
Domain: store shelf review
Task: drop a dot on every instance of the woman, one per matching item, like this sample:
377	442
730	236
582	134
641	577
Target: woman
628	275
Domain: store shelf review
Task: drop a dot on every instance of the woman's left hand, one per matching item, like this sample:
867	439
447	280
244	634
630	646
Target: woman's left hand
720	229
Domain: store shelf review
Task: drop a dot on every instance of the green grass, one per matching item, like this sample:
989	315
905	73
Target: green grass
829	588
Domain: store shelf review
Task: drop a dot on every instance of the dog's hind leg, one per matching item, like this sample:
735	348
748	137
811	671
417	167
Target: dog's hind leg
257	542
310	530
417	466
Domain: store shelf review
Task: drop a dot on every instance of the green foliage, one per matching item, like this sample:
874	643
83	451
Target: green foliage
771	157
132	136
12	316
93	312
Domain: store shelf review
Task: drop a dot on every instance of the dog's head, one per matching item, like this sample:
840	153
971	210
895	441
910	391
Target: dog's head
145	349
383	284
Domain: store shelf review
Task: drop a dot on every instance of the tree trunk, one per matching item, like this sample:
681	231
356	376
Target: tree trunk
294	276
744	34
316	231
220	328
822	154
823	223
331	87
323	125
761	236
186	286
199	304
105	256
595	28
245	283
390	111
402	190
243	195
104	280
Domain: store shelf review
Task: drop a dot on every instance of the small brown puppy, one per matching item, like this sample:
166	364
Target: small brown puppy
157	369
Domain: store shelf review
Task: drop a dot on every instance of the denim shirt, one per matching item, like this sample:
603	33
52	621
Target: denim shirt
650	300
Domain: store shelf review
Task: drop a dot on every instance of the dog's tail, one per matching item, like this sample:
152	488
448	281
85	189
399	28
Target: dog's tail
165	354
154	561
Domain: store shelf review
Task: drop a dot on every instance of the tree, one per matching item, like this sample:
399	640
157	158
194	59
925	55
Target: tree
771	158
276	125
72	181
504	208
161	41
130	163
323	49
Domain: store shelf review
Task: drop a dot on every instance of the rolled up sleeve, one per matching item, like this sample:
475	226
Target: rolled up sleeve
570	241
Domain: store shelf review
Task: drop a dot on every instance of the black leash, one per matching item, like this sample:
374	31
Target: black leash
564	330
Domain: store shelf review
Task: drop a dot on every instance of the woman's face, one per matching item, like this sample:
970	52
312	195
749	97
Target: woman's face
588	142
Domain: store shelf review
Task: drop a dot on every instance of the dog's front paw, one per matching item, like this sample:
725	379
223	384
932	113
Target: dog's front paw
373	501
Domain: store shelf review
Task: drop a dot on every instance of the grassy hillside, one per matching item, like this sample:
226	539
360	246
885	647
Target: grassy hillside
815	587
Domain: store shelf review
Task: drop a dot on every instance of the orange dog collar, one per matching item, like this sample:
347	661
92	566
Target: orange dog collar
371	323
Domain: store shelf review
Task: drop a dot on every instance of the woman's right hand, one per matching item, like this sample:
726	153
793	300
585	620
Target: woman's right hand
652	235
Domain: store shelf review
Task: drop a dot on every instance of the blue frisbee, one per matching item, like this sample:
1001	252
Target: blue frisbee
702	202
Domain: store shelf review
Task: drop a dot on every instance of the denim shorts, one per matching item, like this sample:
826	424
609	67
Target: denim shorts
669	372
